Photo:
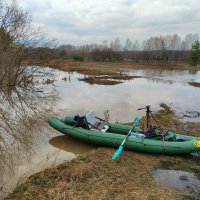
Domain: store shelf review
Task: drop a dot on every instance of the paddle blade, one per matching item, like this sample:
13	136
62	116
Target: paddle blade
136	121
117	153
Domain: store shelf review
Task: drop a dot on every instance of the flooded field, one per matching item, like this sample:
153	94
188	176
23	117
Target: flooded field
36	146
123	100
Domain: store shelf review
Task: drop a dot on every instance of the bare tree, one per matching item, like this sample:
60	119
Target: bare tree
20	42
105	44
128	45
20	109
136	45
116	45
190	39
175	42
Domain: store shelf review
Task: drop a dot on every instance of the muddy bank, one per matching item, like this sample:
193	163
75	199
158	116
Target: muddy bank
99	81
194	84
96	176
108	80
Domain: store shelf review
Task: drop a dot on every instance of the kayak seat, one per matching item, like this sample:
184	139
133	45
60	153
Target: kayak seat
95	124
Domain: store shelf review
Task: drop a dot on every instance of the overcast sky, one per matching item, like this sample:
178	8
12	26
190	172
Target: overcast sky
92	21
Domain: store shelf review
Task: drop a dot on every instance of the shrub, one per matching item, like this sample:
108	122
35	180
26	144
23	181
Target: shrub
194	56
78	58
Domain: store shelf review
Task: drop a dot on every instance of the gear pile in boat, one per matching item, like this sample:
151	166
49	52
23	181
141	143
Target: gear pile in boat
91	122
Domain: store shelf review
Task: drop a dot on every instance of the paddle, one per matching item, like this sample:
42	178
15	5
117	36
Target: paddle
119	150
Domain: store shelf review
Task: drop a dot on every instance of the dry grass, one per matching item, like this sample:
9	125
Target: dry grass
99	81
108	80
96	176
107	68
194	84
168	119
113	70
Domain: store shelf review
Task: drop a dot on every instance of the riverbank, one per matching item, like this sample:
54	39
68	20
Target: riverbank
94	175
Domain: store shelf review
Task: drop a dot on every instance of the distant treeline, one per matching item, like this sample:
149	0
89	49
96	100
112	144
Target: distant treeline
110	55
167	48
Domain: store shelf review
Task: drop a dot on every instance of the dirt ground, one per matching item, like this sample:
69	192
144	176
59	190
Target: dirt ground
94	176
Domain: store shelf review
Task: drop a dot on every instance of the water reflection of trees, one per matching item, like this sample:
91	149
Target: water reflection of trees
21	111
157	80
163	73
20	44
159	75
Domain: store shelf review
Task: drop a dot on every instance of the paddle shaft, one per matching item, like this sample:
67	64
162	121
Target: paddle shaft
119	150
127	135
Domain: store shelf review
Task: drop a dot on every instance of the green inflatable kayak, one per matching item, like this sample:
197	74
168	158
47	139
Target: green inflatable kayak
108	134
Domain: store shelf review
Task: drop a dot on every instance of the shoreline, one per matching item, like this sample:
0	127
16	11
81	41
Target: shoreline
93	175
87	67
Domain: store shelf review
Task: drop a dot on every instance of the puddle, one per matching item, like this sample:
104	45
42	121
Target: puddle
183	182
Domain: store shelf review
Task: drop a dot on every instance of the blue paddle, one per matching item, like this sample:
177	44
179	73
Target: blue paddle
119	150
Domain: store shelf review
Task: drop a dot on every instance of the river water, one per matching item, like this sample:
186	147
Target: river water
123	100
28	144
